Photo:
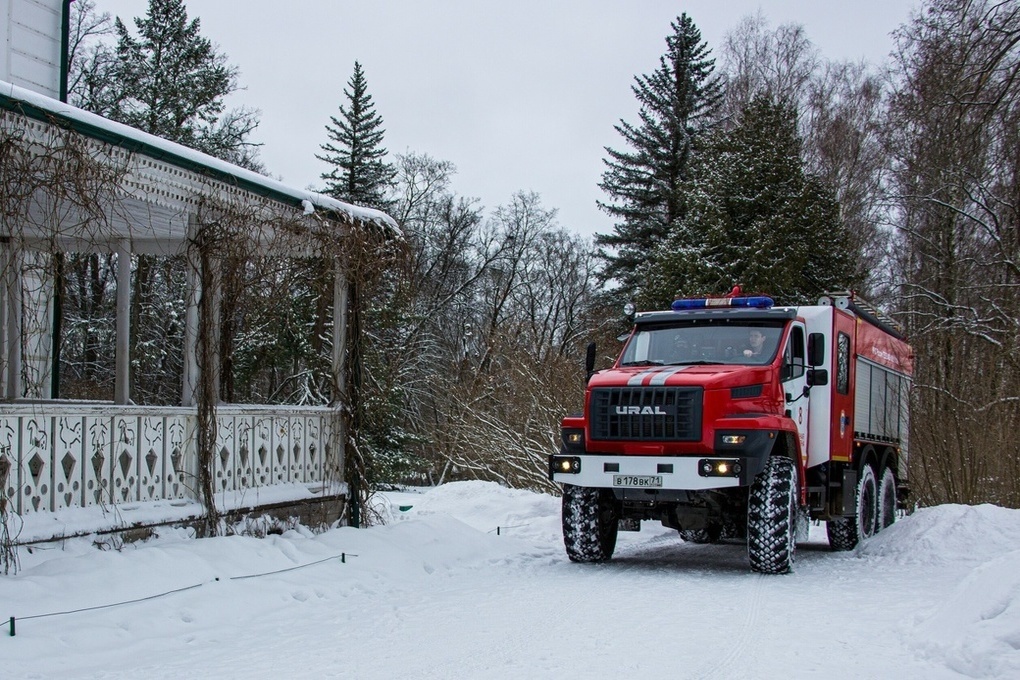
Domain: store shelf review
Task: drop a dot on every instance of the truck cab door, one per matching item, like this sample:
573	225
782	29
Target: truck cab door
795	384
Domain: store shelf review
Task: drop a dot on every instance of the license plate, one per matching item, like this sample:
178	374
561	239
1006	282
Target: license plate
637	480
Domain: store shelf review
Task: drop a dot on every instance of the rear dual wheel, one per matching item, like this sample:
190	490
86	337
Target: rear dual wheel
886	499
847	533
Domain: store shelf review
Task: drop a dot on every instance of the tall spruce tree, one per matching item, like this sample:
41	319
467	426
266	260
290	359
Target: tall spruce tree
756	218
358	174
171	82
645	184
377	432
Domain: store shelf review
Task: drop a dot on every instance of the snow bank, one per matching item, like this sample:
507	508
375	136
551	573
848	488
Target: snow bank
486	507
944	533
976	630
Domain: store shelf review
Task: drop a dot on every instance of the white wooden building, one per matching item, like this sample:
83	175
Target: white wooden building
31	44
76	467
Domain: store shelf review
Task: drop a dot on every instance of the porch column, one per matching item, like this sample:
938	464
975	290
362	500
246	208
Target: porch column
340	293
122	382
189	388
215	279
204	297
11	281
4	248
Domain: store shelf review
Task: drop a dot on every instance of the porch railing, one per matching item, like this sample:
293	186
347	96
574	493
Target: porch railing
64	455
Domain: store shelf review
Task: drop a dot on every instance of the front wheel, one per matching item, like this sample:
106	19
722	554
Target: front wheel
847	532
772	511
590	523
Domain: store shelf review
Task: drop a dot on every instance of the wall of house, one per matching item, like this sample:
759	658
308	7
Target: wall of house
30	44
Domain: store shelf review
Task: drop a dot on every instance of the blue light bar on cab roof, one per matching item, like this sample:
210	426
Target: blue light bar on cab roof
757	301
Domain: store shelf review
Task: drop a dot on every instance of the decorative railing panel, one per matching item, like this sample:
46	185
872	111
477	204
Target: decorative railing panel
286	453
245	468
98	431
313	448
225	458
124	459
58	455
35	464
179	470
9	482
69	462
268	464
152	457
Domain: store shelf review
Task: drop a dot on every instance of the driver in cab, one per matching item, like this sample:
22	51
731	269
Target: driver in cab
756	340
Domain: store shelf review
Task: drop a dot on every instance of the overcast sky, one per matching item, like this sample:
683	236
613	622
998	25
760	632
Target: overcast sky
519	95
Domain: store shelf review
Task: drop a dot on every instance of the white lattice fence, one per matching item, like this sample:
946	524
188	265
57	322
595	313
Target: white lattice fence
56	456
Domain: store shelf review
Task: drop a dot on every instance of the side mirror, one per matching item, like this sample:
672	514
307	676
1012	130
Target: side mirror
589	361
816	349
817	376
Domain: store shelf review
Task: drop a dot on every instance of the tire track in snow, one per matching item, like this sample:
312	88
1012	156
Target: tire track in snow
722	667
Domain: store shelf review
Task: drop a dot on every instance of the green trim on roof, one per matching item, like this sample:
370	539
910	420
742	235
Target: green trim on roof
138	146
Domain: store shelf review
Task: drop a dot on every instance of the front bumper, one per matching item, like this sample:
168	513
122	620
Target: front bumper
725	466
622	472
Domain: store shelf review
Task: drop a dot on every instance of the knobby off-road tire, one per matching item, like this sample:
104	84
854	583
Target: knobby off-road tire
847	533
589	523
886	499
772	516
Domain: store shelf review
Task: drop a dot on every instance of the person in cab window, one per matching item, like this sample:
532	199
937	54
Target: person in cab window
756	339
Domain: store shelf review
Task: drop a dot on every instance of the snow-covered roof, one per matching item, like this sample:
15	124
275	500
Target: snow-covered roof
41	107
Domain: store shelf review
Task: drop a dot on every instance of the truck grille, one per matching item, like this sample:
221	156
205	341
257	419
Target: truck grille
646	413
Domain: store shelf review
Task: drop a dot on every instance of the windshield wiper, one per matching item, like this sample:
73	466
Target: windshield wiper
645	362
700	362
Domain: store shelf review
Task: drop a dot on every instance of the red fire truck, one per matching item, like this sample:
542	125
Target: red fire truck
730	417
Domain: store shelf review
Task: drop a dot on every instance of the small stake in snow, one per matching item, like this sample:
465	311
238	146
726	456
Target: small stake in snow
12	626
343	558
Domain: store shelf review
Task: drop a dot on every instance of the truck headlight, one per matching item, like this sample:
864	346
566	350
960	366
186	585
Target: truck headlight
719	467
566	465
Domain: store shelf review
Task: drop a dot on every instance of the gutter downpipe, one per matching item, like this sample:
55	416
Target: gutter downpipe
58	289
65	46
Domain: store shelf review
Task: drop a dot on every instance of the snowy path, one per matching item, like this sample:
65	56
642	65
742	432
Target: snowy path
438	594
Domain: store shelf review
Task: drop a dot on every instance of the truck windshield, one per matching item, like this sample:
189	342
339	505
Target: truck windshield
703	343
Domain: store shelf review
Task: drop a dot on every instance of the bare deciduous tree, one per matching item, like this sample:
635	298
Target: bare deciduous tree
759	61
843	120
954	136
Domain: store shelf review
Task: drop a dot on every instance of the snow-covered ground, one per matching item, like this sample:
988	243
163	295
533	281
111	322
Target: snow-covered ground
472	582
